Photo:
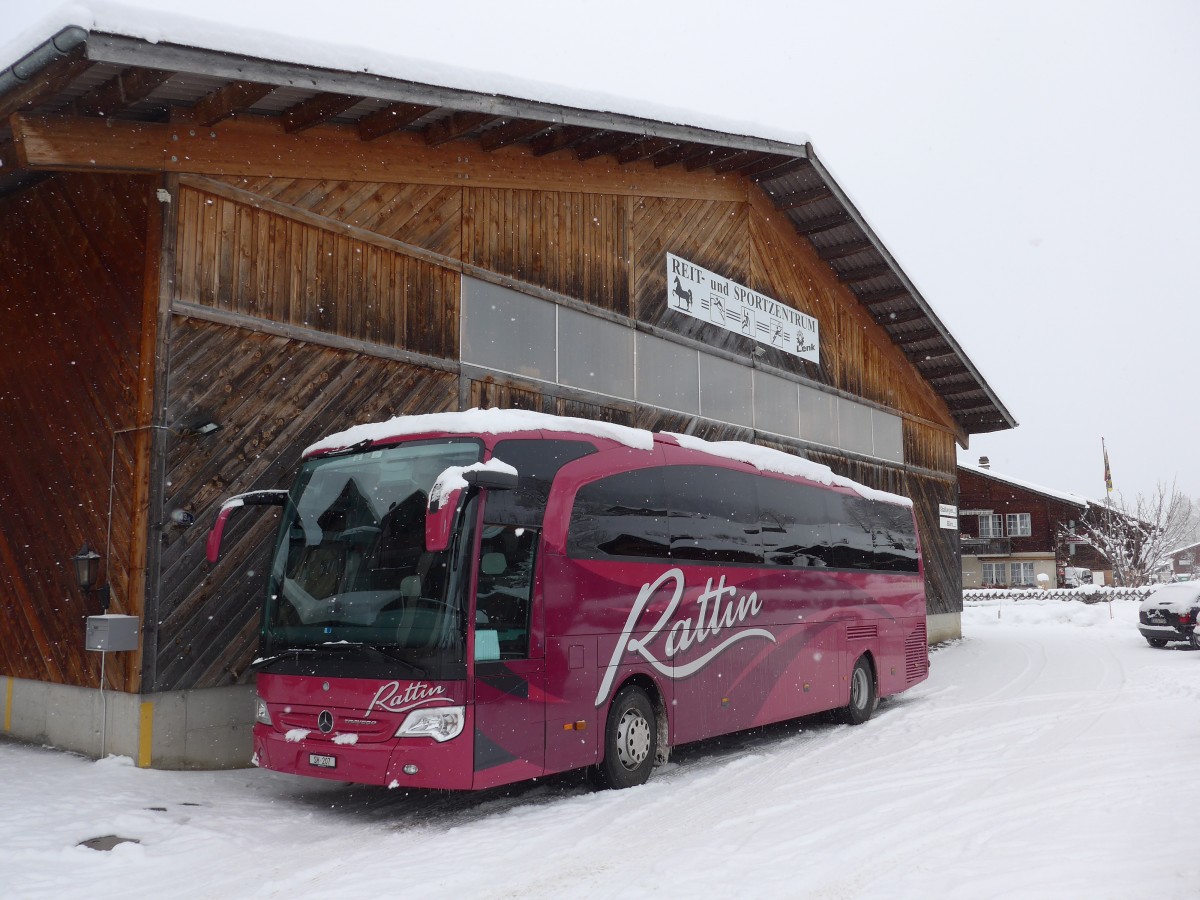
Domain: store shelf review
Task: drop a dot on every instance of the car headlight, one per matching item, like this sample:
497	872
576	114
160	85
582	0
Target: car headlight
261	714
440	723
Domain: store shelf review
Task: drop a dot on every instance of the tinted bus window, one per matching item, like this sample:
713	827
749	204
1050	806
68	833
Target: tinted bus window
795	523
713	515
895	539
851	524
536	462
621	515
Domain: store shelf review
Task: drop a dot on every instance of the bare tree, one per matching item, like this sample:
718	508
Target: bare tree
1135	537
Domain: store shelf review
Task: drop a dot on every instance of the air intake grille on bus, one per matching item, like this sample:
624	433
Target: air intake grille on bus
916	654
861	632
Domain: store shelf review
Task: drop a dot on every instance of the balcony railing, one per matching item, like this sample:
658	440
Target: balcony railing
973	546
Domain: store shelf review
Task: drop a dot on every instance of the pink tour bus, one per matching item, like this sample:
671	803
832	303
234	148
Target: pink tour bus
465	600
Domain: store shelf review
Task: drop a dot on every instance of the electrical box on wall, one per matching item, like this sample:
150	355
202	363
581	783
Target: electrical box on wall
110	633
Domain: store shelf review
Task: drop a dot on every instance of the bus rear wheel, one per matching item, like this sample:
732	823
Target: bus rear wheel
630	740
863	695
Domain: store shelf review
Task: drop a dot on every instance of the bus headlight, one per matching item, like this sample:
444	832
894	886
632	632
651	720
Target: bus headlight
261	714
440	723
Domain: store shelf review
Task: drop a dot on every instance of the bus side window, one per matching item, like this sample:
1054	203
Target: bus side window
507	555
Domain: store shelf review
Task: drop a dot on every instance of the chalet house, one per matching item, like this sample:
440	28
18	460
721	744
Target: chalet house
209	261
1185	563
1009	532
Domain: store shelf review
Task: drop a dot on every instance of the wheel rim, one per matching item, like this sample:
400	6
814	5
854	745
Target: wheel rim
860	689
633	739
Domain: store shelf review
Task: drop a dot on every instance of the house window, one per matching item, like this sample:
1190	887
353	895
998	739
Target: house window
1021	573
991	526
1019	525
995	573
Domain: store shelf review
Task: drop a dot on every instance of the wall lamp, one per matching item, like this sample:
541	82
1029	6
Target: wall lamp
87	572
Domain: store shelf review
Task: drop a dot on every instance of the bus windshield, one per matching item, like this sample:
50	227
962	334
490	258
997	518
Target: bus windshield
350	564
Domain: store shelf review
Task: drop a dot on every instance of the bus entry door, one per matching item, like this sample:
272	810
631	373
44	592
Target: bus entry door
510	712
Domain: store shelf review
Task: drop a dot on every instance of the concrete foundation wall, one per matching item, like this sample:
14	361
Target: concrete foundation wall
943	627
208	729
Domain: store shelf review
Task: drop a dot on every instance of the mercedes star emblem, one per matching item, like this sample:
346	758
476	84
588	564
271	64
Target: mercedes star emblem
325	721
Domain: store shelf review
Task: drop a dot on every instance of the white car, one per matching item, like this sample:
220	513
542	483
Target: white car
1169	614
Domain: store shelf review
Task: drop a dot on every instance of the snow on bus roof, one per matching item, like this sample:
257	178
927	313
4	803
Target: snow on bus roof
768	459
506	421
483	421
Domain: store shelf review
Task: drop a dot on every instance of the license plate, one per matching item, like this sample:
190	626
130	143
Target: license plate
322	762
1157	620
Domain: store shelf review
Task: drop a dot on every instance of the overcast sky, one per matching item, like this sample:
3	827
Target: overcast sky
1031	165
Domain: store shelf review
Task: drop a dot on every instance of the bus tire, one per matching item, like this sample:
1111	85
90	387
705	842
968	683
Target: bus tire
863	695
630	740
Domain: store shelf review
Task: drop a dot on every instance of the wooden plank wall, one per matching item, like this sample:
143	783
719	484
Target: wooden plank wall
272	398
72	256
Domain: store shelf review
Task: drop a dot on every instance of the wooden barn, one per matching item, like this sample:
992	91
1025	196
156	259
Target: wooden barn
209	261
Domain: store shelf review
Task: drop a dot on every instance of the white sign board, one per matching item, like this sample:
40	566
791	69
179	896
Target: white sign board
950	523
947	509
709	297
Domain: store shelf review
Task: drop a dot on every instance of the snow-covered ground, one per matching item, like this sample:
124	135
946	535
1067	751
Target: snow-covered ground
1051	753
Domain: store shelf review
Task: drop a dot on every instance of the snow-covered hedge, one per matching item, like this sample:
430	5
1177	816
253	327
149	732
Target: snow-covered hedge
1088	593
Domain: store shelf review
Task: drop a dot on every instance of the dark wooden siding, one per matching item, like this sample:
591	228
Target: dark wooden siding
573	244
252	262
272	398
72	256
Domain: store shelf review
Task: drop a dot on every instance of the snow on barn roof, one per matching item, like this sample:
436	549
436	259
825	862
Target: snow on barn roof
1066	496
136	68
509	421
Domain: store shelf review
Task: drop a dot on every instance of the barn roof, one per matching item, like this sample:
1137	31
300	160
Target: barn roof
111	78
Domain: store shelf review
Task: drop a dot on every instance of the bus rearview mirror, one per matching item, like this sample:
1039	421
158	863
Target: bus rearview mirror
212	547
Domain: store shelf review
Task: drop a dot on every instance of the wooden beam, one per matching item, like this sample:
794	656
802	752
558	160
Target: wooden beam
673	155
824	223
391	118
841	251
790	165
872	298
704	157
601	143
46	83
255	146
915	337
315	110
739	159
901	318
228	100
644	149
121	91
864	274
561	138
797	199
769	163
455	126
513	131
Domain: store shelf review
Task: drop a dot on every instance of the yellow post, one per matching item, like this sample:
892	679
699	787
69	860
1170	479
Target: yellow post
8	692
145	734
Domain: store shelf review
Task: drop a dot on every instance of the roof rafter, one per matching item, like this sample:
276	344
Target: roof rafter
228	100
123	89
455	126
315	110
512	131
390	118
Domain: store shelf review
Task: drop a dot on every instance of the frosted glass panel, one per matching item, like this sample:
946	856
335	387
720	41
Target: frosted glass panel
888	434
854	426
818	417
506	330
594	355
725	391
666	375
775	407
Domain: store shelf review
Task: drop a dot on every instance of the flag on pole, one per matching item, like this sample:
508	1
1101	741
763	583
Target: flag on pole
1107	470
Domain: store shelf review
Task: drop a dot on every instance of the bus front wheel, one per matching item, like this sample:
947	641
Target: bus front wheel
863	696
630	740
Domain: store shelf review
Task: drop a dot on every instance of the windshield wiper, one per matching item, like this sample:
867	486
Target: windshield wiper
378	653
